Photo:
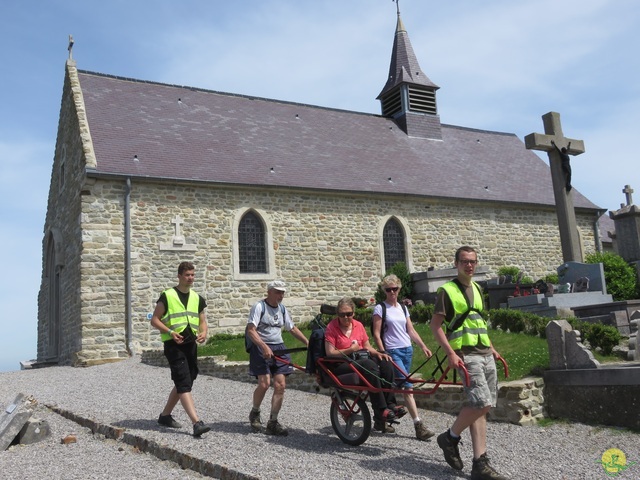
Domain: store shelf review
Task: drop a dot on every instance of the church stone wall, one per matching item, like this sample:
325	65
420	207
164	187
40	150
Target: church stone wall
326	246
62	226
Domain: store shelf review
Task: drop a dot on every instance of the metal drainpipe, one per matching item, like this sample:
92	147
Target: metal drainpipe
596	231
127	265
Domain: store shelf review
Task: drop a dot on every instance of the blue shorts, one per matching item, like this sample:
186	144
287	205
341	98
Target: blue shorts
403	358
259	366
483	391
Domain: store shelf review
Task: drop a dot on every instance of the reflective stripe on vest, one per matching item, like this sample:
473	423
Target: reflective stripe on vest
177	318
474	329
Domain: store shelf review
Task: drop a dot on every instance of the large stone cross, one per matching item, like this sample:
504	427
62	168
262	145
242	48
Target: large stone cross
547	142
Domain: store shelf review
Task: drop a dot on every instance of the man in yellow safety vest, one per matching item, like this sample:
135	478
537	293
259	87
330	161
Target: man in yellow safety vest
461	331
179	315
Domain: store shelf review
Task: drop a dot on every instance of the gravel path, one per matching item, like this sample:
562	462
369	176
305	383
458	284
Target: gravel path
129	395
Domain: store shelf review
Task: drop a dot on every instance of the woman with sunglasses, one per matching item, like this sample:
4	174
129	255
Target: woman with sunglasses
345	337
393	332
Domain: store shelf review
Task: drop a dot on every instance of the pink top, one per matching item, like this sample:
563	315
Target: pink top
339	340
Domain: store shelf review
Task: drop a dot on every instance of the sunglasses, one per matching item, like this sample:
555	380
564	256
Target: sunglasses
391	289
345	314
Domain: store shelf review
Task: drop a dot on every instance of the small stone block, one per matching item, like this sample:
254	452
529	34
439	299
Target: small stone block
34	431
14	415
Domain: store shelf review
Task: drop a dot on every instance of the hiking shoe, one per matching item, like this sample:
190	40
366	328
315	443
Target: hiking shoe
168	421
199	428
481	470
255	421
449	446
422	432
383	427
274	428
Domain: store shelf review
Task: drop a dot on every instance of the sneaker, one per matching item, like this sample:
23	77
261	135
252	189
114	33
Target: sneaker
168	421
422	432
383	427
199	428
481	470
274	428
255	421
449	446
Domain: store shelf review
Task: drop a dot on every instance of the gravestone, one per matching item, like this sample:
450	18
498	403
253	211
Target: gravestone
566	351
575	272
15	413
551	142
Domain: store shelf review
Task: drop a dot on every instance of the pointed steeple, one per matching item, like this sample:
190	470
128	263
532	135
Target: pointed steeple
409	96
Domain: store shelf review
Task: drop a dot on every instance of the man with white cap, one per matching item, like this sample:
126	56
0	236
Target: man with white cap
267	319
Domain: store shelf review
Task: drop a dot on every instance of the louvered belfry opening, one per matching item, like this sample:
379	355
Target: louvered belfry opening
422	100
391	103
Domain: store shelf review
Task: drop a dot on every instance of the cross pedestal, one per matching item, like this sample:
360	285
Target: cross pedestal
569	239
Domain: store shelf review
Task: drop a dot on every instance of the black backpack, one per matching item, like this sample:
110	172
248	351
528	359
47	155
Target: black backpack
247	342
384	319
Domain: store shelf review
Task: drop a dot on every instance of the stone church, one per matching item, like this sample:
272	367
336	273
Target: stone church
146	175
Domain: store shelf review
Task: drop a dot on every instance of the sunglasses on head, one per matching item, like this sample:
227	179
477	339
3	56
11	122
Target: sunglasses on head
345	314
391	289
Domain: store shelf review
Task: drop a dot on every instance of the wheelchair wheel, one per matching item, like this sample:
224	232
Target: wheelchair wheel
350	418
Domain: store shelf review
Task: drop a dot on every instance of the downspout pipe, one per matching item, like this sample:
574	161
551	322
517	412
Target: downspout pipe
127	266
596	230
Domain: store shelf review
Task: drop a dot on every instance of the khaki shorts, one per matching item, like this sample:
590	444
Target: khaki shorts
483	375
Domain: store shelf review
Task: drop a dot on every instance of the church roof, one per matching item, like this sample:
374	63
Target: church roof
160	131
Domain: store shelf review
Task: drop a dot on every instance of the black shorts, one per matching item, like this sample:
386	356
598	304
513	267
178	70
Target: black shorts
183	362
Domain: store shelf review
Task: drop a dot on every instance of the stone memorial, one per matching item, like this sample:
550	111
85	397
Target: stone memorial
627	223
559	148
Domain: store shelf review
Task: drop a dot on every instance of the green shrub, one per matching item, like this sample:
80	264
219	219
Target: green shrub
514	272
511	270
604	337
421	313
552	278
364	315
516	321
619	276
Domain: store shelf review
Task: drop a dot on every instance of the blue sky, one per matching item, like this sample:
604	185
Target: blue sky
500	64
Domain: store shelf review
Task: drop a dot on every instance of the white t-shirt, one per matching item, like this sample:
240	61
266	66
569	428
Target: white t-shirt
394	328
270	326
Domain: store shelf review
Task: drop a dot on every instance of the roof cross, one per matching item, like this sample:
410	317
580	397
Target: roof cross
559	148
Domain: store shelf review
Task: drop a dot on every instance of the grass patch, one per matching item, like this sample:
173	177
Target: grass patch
526	355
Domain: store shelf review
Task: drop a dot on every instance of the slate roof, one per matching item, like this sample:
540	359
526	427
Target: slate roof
185	133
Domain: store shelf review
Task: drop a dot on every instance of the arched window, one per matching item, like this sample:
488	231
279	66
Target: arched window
393	239
251	244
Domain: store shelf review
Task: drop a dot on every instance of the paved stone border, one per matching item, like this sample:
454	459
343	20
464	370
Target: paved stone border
163	452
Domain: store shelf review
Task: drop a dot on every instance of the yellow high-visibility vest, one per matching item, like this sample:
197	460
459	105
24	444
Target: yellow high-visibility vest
473	330
177	318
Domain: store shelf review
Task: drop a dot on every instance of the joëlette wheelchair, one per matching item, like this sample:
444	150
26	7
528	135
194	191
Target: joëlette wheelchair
349	412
